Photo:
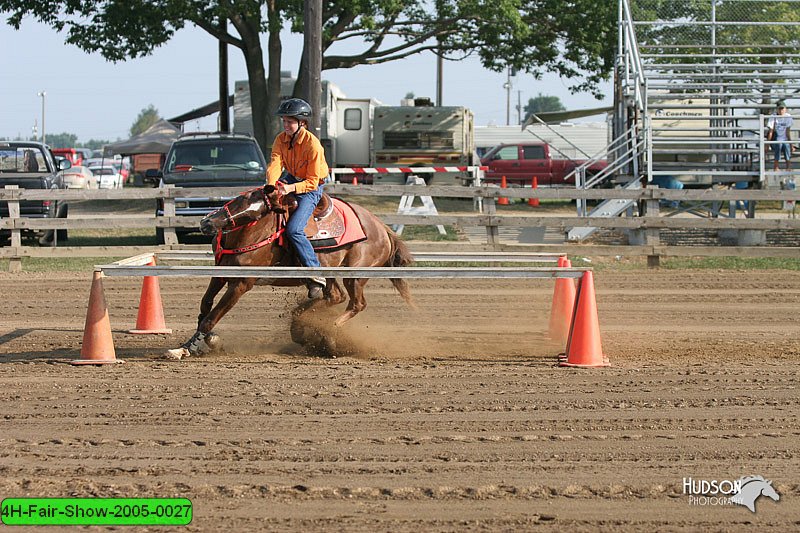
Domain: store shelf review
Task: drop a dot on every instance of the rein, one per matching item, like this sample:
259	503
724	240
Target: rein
221	251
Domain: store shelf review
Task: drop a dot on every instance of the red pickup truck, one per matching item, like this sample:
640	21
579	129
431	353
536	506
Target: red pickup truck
521	162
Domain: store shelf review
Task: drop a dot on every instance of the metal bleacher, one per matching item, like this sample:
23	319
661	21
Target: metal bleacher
695	84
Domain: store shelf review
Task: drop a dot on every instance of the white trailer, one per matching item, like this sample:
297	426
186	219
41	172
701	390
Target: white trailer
362	133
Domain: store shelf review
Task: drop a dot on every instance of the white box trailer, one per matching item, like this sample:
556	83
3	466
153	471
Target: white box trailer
362	133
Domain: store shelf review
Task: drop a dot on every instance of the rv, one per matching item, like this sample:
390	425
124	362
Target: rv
363	133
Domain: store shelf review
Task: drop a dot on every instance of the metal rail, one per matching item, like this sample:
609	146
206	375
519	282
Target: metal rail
441	257
117	270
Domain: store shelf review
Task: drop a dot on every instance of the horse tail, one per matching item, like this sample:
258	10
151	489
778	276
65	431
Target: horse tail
400	256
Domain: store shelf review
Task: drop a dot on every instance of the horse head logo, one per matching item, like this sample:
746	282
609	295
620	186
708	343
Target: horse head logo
752	488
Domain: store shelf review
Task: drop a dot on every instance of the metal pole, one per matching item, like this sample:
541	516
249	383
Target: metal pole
42	94
507	87
439	78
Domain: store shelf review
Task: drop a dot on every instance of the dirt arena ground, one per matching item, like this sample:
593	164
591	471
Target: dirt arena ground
451	418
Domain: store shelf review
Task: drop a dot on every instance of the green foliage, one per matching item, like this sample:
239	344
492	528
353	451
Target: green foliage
96	144
542	104
147	117
535	36
62	140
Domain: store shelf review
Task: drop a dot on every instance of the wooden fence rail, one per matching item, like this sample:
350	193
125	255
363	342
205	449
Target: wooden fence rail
490	218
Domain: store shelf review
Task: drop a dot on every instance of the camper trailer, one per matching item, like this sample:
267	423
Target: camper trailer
363	133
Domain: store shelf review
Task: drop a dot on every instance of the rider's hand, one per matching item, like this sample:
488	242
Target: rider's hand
285	188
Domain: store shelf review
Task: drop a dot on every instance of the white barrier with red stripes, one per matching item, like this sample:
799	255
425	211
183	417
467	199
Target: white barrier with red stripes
405	203
404	170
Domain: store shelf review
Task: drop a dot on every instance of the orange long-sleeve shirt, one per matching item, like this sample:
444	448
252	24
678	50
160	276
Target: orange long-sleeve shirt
305	161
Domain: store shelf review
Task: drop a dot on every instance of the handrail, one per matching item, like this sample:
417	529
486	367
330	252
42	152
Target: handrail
631	53
626	157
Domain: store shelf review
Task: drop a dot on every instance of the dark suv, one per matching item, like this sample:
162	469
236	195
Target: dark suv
31	165
208	160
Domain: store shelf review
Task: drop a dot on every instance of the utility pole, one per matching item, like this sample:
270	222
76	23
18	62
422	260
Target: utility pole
439	80
42	94
224	105
519	107
312	48
507	86
439	60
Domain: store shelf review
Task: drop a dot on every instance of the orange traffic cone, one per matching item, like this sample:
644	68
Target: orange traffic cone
562	306
583	345
503	185
534	202
151	312
355	180
98	345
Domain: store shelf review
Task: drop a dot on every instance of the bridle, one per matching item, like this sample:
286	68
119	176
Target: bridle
231	219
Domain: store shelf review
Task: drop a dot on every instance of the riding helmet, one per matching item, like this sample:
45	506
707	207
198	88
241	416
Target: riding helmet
295	107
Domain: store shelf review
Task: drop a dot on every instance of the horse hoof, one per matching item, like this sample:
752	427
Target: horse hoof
213	341
177	354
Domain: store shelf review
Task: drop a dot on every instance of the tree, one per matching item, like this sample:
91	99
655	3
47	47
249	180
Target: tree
96	144
542	104
147	117
62	140
536	36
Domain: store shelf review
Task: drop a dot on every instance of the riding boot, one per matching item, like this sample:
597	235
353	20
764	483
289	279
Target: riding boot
315	287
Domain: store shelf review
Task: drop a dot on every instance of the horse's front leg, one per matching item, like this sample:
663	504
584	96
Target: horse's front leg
198	344
355	289
207	302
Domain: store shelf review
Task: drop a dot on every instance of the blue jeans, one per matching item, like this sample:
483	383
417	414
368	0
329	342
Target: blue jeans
295	227
781	148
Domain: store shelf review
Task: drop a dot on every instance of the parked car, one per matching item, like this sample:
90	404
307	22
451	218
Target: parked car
79	177
108	177
207	160
30	165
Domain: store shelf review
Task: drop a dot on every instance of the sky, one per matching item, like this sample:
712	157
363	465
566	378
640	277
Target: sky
94	99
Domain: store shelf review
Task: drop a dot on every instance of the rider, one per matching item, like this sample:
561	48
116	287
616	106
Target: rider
298	165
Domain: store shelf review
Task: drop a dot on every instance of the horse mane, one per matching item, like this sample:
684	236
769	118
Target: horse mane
748	479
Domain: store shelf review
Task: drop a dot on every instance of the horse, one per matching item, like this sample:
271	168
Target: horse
752	487
248	232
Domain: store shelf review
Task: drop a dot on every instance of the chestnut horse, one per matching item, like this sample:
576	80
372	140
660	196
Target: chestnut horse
248	230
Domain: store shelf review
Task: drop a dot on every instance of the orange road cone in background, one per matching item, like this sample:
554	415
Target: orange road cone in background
151	311
534	202
355	180
562	306
503	185
98	344
584	348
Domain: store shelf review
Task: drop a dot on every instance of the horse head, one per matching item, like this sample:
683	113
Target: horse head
246	208
769	491
752	487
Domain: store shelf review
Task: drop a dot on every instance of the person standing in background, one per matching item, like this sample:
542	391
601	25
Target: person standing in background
779	131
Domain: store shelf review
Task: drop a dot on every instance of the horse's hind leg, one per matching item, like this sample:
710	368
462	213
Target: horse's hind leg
207	302
355	289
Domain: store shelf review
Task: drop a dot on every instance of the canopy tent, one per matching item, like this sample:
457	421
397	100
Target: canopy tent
155	140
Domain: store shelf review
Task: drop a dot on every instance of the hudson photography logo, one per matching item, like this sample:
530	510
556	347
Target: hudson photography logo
743	491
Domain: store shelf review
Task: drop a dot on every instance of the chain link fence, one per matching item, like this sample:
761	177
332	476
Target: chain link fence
730	31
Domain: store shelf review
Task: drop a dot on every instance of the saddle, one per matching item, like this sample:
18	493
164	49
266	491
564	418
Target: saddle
333	224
